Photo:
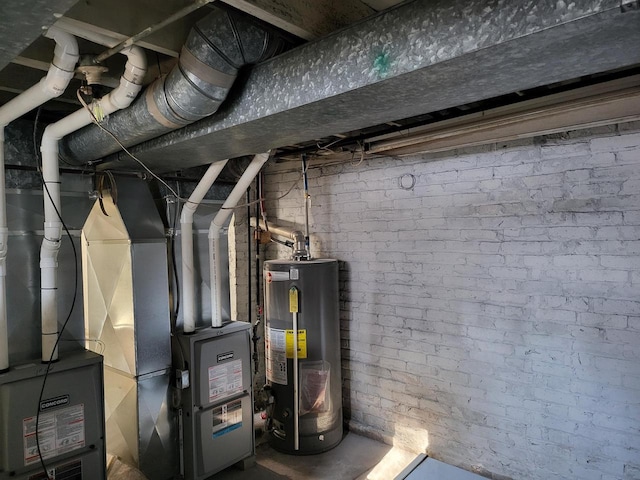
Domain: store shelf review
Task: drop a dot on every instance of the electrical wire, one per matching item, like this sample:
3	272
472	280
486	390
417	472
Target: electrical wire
361	145
140	162
262	199
73	301
242	205
288	191
115	139
330	144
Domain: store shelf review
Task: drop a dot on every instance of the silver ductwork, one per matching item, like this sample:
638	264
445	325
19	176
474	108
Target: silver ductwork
420	57
126	296
216	49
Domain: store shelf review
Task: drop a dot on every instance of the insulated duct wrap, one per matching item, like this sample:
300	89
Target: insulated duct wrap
217	47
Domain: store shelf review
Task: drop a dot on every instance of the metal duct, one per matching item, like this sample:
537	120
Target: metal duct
126	295
424	56
217	47
31	17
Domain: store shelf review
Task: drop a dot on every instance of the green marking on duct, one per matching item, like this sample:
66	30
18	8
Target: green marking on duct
381	64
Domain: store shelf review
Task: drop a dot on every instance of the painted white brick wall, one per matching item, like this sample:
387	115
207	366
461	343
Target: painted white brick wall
492	313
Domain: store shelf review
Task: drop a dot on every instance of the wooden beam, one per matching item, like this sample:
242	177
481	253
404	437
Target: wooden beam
110	38
120	19
585	107
608	103
31	63
307	19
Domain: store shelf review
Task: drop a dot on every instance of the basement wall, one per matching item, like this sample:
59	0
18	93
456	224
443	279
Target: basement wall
490	315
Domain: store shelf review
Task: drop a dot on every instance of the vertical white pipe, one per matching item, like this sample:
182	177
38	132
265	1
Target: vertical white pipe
121	97
186	238
58	76
296	386
215	250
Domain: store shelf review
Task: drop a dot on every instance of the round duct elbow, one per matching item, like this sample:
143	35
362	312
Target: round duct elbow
217	47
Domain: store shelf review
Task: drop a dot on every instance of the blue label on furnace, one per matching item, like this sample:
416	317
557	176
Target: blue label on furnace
226	430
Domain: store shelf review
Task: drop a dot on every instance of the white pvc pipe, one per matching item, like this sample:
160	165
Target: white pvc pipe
58	76
296	386
121	97
186	238
215	250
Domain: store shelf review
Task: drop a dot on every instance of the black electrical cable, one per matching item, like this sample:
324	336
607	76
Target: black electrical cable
73	301
176	279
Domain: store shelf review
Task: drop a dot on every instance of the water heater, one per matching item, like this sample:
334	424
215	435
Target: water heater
301	309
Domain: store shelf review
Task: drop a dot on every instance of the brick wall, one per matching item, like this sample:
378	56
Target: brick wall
491	313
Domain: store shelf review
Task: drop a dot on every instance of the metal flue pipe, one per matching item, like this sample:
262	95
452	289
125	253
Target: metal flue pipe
59	75
186	238
121	97
299	239
215	250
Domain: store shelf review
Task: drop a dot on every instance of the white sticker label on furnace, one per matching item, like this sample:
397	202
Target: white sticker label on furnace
59	432
276	356
225	379
227	418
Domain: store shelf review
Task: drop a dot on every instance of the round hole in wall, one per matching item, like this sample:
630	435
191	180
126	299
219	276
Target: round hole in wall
407	181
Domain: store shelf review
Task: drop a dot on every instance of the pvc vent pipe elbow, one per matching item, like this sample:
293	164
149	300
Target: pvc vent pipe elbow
66	53
215	250
62	67
186	238
117	99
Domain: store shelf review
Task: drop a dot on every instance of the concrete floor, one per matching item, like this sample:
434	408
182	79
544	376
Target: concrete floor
356	458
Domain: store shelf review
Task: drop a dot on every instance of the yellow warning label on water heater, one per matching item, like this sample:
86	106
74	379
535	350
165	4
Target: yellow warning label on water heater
293	300
302	343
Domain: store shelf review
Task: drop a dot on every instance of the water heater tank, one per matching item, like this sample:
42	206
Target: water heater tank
303	292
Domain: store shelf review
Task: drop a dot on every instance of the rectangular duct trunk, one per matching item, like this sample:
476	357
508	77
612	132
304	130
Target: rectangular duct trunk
420	57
